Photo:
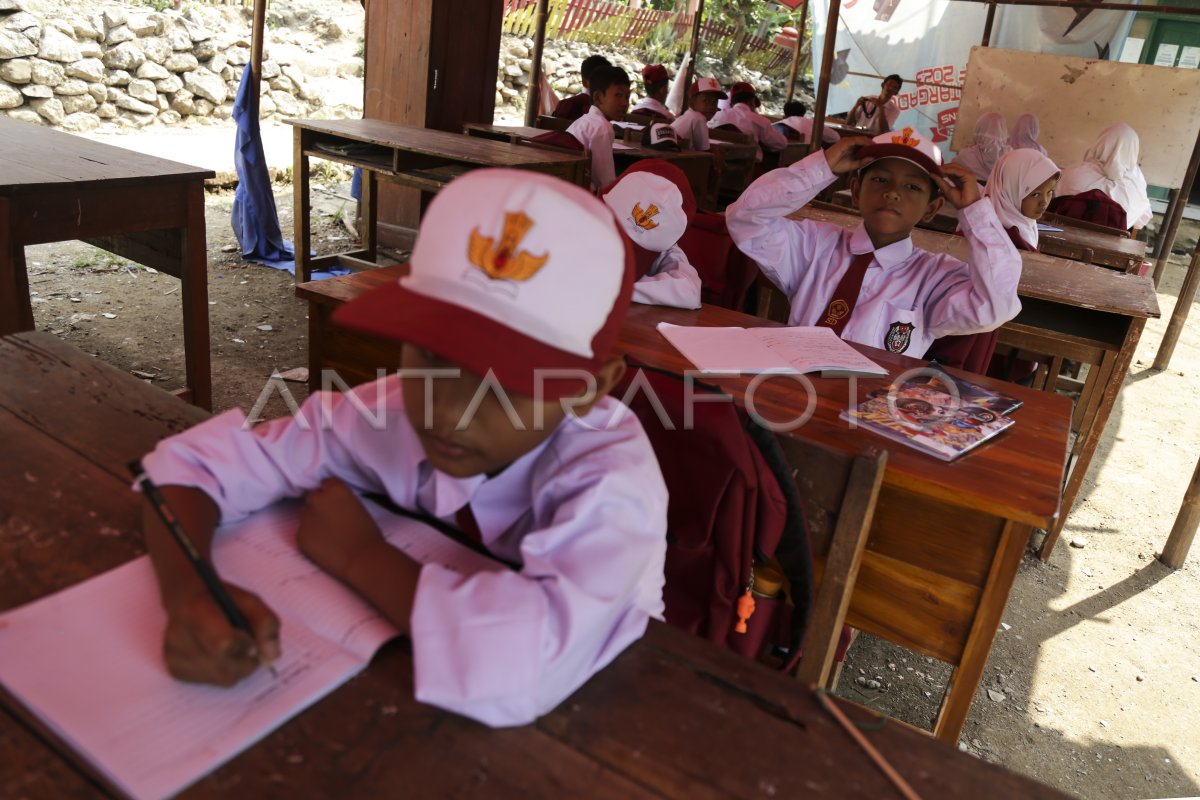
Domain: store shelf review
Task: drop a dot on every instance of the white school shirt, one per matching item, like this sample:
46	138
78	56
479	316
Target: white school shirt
692	126
595	132
873	121
803	126
670	281
584	514
752	123
649	103
909	297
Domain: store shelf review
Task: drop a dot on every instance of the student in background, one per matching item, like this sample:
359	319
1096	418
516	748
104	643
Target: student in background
871	285
692	125
594	130
1024	134
991	142
795	121
1020	188
576	106
658	83
653	204
518	279
877	114
1111	166
742	115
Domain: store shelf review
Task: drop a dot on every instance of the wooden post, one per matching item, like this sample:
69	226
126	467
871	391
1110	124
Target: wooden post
1175	214
826	68
1176	549
1187	293
697	20
1161	247
256	46
534	98
792	75
987	25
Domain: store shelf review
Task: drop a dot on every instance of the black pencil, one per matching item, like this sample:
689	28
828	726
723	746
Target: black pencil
207	574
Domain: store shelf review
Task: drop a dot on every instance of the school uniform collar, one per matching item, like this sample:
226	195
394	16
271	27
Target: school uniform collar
894	254
594	111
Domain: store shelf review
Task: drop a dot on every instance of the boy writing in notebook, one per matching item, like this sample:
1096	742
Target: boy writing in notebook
870	284
519	283
594	130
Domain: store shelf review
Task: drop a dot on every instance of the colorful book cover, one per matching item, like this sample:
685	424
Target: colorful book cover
927	415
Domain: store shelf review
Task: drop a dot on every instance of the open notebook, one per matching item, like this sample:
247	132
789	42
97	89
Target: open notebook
795	350
88	660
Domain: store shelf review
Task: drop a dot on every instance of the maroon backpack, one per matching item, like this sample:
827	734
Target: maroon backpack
732	505
1091	206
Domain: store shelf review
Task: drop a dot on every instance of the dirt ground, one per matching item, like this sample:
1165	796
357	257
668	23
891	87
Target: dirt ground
1094	681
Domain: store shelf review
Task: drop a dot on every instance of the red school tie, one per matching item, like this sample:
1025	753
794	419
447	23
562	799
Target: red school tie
465	518
845	296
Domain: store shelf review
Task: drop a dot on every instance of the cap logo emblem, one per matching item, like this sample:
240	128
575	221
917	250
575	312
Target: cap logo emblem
644	219
906	138
501	260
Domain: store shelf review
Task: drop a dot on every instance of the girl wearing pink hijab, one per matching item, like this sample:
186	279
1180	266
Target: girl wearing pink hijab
1111	166
991	142
1024	134
1020	187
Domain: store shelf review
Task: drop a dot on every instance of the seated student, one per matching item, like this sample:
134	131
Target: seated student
991	142
795	122
1024	135
594	130
877	114
653	204
870	284
692	125
514	274
658	83
577	105
1020	188
742	115
1111	166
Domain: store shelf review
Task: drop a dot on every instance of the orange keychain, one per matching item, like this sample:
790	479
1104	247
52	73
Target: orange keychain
745	610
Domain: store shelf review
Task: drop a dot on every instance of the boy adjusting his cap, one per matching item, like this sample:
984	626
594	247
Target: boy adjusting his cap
870	284
505	321
743	101
594	130
692	125
653	204
658	83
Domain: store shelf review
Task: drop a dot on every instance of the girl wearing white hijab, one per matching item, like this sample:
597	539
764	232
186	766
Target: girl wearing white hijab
1111	165
1025	134
991	142
1020	188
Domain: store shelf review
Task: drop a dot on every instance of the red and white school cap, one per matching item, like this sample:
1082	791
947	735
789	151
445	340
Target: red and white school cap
653	203
701	85
655	73
513	271
907	144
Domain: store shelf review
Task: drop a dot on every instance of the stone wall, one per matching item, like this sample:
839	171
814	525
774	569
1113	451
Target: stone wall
561	62
132	67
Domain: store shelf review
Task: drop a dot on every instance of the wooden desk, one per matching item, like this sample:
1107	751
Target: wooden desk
56	187
673	717
1069	311
947	539
1072	242
421	158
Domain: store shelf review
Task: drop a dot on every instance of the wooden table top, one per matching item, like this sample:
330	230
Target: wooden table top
443	144
672	717
1058	280
1018	475
34	157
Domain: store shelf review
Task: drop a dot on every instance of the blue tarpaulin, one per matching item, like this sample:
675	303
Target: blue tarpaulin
255	219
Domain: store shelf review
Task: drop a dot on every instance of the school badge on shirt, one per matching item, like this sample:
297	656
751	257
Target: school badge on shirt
898	336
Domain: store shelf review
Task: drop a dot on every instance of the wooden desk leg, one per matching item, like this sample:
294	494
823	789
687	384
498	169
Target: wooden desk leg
301	206
194	279
16	309
965	680
370	233
1093	432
